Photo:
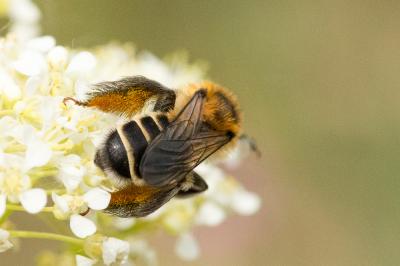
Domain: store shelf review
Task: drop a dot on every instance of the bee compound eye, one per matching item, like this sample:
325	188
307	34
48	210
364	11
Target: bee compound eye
230	134
202	92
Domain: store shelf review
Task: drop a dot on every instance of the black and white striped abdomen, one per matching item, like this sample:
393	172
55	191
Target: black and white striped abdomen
123	149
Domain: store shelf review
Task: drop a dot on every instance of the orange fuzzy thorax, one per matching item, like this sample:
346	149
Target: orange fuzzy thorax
220	111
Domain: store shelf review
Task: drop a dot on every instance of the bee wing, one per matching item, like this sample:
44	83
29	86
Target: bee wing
170	160
181	147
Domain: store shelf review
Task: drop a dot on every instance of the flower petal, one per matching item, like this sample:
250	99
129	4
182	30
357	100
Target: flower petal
81	64
33	200
71	176
24	11
71	171
32	84
58	57
97	198
8	86
82	227
186	247
60	202
245	202
30	63
3	200
115	251
5	244
123	223
37	154
84	261
210	214
41	44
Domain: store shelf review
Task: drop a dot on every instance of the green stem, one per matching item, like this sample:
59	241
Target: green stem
5	216
43	235
15	207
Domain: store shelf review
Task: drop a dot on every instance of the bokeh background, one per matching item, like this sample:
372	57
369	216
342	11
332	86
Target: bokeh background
319	83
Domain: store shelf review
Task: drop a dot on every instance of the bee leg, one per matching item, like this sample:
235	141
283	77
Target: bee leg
75	101
252	144
192	185
139	201
128	96
85	212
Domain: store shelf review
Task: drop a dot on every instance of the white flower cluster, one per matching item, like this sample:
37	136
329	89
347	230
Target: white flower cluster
47	149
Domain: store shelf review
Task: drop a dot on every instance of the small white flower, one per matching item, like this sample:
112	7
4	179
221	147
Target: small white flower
186	247
61	205
5	244
142	252
37	154
84	261
82	227
97	199
41	44
32	84
245	202
15	187
69	205
8	87
70	171
210	214
81	64
58	57
123	223
33	200
24	11
30	63
24	15
115	251
179	216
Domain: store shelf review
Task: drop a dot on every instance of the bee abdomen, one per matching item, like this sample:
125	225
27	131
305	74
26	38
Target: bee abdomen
124	147
137	143
162	121
150	126
139	133
113	156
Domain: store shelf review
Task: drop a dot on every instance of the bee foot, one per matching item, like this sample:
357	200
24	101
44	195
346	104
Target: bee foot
68	99
85	212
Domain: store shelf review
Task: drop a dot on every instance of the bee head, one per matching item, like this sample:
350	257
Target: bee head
221	110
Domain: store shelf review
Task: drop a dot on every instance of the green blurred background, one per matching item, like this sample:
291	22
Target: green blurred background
319	84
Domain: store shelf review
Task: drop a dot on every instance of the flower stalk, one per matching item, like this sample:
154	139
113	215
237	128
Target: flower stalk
15	207
45	235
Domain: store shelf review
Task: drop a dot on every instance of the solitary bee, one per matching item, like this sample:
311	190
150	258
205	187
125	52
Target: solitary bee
169	133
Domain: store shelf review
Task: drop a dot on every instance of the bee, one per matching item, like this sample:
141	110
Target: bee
152	156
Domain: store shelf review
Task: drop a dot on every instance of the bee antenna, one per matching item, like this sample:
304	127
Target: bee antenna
252	144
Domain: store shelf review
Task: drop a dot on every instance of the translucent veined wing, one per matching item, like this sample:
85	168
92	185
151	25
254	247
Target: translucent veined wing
183	145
